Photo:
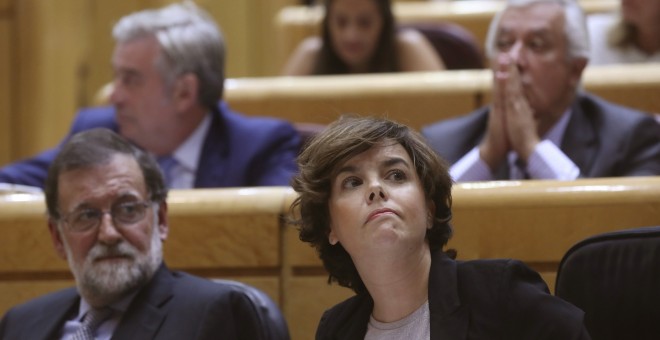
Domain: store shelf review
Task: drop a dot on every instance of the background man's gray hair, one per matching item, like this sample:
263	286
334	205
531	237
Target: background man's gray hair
575	28
190	40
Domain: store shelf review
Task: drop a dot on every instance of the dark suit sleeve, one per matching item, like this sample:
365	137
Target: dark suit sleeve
643	149
535	314
33	171
278	161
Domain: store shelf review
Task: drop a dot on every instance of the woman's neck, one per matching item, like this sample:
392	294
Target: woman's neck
398	284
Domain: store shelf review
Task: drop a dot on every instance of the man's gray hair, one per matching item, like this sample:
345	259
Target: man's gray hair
575	28
190	41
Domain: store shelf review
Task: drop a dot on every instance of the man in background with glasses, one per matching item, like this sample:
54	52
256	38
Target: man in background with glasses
107	212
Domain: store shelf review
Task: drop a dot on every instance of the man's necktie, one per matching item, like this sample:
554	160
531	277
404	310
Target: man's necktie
167	164
90	322
522	168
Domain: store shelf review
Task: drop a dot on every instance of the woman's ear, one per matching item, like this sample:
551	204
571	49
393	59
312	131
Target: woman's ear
332	238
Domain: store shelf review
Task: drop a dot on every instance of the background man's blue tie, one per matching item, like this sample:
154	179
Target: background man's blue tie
167	164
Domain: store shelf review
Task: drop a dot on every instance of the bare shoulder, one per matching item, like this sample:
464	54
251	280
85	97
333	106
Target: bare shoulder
301	61
409	36
416	53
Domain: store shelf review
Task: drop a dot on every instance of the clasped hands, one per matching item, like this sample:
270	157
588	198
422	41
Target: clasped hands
511	123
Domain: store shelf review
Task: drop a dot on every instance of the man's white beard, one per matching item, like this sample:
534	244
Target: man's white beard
109	281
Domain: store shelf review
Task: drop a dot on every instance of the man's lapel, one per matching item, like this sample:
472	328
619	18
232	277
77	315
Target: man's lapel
146	313
580	142
211	168
48	324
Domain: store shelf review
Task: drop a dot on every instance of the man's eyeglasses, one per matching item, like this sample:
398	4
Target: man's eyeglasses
123	214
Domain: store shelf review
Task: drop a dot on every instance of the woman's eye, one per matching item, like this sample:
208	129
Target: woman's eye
351	182
397	175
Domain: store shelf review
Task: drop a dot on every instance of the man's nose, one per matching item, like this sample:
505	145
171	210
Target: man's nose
108	232
516	52
116	93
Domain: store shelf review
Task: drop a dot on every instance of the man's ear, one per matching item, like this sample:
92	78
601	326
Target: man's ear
578	65
186	92
56	237
162	222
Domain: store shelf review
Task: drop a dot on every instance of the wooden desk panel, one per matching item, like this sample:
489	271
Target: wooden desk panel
6	83
534	221
411	98
417	99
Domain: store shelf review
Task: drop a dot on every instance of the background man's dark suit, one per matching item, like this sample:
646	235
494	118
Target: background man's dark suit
602	139
173	305
237	151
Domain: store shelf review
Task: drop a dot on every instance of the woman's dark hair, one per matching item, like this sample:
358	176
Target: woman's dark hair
318	163
384	57
96	147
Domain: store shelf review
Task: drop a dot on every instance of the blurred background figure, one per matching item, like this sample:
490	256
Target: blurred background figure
166	98
540	125
361	36
631	35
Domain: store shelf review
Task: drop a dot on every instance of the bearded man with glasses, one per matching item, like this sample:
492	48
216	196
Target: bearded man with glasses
107	210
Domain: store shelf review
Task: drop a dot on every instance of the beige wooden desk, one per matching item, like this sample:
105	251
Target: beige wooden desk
416	99
240	234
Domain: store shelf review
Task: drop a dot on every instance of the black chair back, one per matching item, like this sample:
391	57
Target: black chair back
615	279
457	47
273	324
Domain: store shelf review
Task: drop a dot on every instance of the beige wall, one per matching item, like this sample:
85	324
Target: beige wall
5	86
61	56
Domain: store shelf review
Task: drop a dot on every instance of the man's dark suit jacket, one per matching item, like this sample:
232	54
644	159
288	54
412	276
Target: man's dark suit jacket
238	151
602	139
173	305
481	299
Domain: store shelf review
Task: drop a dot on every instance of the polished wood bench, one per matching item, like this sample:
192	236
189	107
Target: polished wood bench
240	233
295	23
416	99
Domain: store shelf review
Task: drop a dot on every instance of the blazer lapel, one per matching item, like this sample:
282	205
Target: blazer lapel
579	142
211	167
146	314
355	325
49	323
449	318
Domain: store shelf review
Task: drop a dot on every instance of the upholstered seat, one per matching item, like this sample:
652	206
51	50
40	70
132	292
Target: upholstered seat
458	48
273	325
615	279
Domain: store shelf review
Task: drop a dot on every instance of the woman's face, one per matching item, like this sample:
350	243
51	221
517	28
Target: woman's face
355	27
640	12
377	202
